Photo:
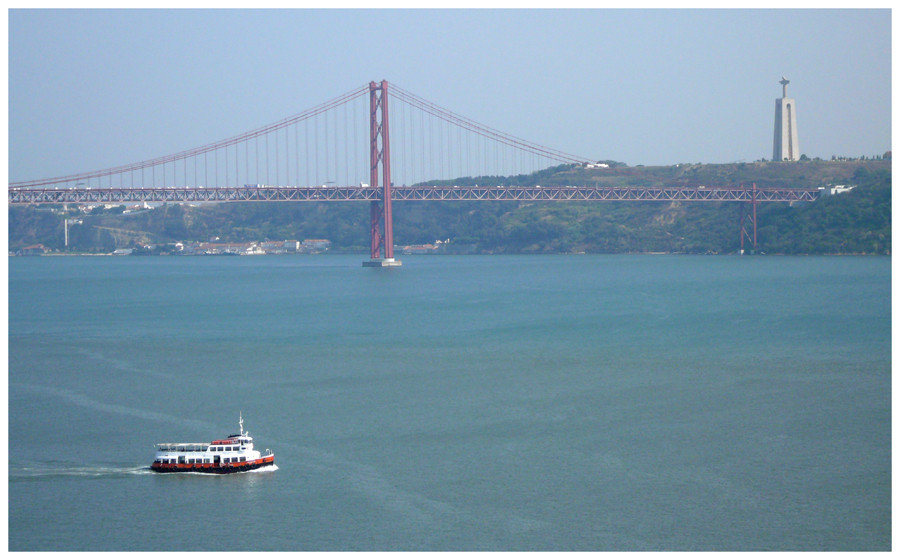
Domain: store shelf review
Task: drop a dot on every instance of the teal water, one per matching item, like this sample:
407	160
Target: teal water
457	403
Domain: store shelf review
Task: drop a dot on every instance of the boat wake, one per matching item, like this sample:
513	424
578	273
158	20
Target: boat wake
25	473
85	401
43	472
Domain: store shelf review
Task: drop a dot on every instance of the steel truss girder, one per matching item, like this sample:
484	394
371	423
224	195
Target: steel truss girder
367	193
599	193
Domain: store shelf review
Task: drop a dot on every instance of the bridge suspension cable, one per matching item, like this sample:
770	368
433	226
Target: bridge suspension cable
483	130
328	145
255	134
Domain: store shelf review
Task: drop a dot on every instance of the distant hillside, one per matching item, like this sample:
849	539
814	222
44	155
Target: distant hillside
808	173
857	222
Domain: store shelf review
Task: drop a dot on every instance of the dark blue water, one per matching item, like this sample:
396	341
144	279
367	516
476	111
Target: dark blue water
457	403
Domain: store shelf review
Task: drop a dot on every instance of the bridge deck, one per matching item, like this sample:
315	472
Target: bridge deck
365	193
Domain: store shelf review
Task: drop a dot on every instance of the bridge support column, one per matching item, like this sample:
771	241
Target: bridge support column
748	219
380	153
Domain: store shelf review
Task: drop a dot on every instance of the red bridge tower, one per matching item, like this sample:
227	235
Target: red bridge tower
380	152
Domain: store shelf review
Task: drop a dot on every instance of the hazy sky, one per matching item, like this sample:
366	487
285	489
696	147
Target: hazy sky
90	89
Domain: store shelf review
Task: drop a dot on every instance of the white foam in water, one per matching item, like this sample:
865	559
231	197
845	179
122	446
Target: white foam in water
40	472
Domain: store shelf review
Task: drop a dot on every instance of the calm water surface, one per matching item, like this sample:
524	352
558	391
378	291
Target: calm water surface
457	403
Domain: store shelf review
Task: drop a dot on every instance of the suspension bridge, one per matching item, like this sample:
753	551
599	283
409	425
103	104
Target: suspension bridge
356	147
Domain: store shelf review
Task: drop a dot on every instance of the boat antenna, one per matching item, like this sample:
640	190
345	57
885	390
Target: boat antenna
241	421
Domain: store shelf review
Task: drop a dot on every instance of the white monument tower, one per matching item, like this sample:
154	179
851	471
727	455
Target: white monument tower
786	147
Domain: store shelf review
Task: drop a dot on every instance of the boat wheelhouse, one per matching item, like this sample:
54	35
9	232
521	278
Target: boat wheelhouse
222	456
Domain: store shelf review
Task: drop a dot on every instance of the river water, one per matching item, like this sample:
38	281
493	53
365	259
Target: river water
577	402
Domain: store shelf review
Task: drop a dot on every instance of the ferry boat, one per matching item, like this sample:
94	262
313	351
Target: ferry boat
222	456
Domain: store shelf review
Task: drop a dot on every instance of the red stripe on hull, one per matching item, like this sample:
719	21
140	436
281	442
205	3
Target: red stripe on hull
213	468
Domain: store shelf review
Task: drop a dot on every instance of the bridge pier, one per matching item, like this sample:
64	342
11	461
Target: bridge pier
382	263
